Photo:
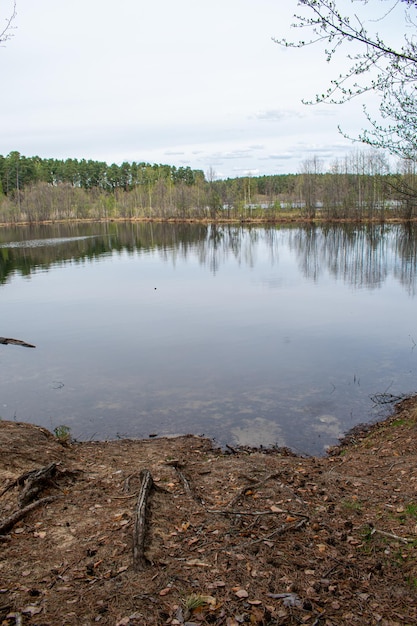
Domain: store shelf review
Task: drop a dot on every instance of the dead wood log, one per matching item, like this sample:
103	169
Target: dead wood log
8	523
34	482
140	561
15	342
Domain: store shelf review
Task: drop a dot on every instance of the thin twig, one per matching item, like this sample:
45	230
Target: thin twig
185	482
256	485
391	535
256	513
279	531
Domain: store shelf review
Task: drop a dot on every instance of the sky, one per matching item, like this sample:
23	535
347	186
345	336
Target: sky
186	83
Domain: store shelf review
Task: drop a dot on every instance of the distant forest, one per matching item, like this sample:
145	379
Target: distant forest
358	186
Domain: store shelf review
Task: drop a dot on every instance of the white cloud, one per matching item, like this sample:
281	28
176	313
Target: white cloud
186	82
277	115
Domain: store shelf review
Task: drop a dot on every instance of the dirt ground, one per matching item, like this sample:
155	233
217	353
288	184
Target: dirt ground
249	536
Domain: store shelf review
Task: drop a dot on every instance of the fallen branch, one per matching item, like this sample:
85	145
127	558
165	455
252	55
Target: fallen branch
19	481
8	523
34	482
34	479
140	562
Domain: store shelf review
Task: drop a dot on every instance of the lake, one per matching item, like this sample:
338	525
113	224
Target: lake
281	335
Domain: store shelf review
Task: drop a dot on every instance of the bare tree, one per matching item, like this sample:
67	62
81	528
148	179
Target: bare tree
374	64
309	179
6	33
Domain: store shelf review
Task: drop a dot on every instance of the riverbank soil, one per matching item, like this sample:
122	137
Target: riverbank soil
252	536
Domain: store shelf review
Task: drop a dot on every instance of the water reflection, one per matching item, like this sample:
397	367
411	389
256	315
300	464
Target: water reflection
251	335
363	256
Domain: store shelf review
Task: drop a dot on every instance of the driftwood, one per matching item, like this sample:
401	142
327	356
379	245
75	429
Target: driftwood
8	523
34	482
140	562
15	342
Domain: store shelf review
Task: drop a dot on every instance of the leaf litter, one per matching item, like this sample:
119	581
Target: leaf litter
255	536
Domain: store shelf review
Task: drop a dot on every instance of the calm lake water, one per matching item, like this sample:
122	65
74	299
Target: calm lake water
258	336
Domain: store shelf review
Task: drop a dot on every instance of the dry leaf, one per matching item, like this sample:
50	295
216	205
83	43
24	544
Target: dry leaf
165	592
242	593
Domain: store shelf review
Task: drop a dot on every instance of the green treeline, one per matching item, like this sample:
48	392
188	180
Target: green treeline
357	187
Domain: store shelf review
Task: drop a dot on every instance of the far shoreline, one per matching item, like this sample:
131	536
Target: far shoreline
269	221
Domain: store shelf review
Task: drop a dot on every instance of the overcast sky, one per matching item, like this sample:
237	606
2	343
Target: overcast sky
190	82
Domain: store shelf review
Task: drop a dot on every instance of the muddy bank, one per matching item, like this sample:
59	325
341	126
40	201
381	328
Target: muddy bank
249	536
